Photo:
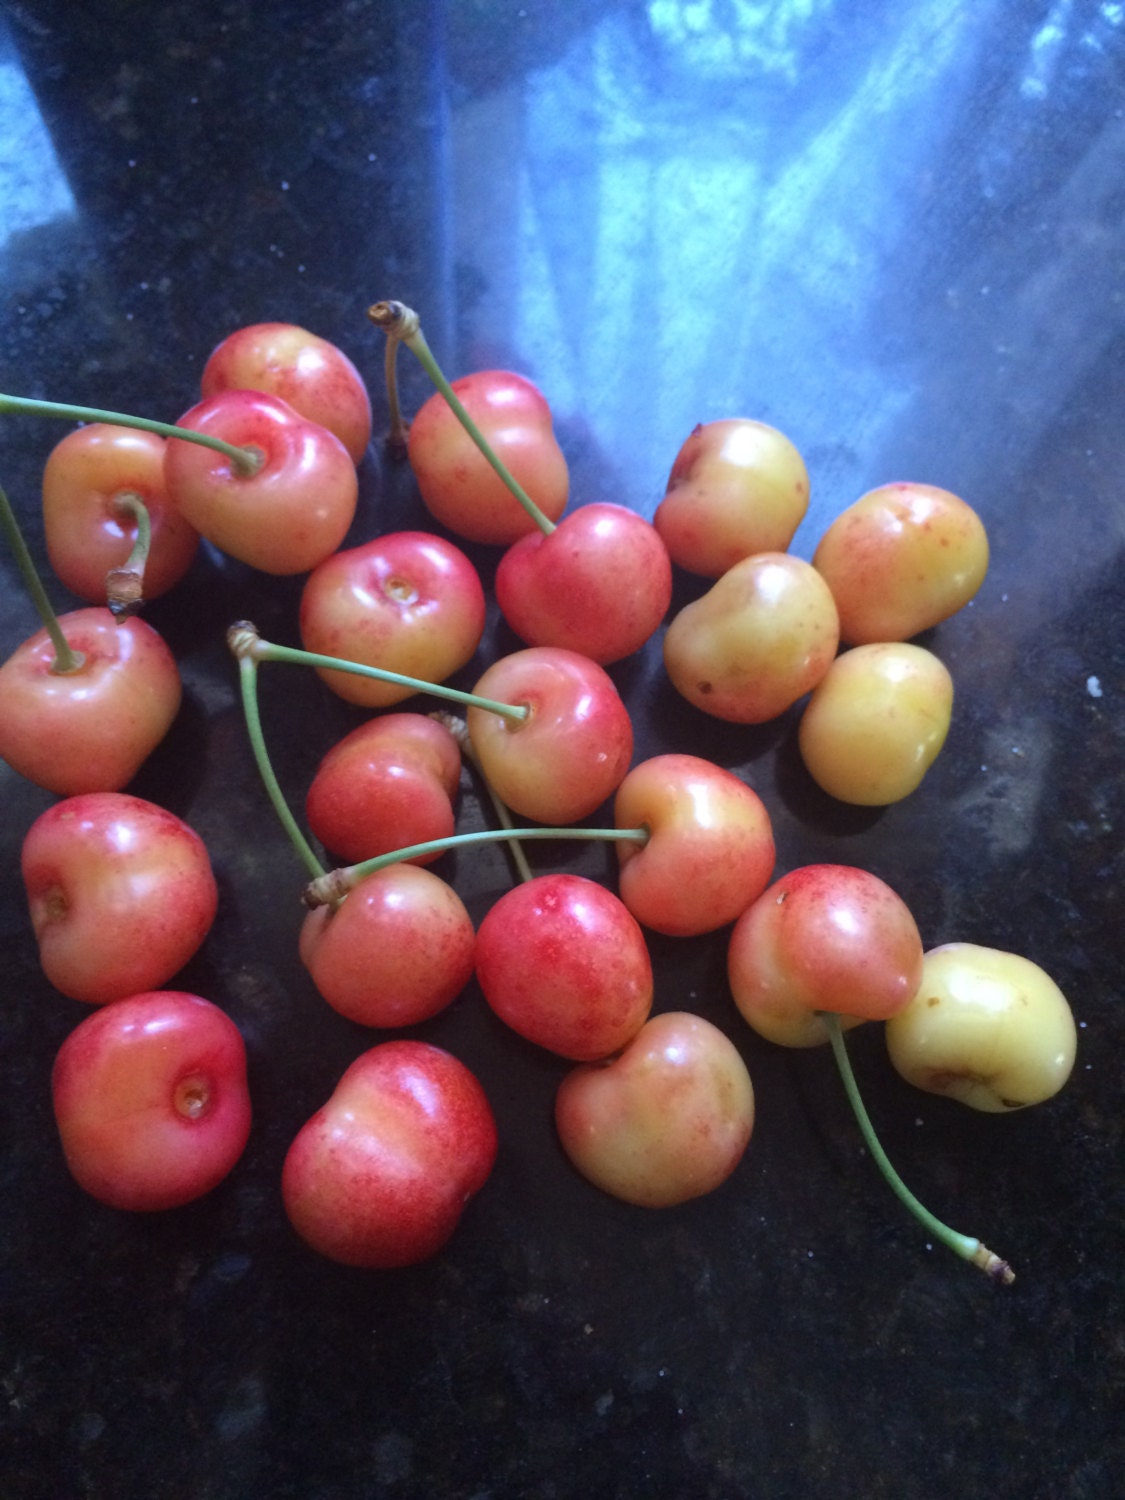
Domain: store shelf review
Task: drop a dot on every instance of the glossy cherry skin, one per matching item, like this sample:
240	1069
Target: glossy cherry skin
151	1101
309	373
289	515
572	750
823	938
666	1121
756	641
710	850
458	485
737	487
89	730
380	1175
904	557
407	602
387	784
600	583
562	961
398	949
88	533
120	892
876	722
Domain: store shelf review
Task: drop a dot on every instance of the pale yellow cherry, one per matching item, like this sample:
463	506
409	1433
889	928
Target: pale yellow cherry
986	1027
876	722
756	641
902	558
737	487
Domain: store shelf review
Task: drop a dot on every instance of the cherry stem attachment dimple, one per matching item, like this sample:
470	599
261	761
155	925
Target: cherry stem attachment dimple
402	326
245	461
244	639
125	586
964	1245
67	659
248	682
337	883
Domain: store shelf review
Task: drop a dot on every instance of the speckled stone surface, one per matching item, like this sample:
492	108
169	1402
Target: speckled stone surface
895	232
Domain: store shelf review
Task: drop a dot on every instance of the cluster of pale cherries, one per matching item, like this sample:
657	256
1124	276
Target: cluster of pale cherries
150	1090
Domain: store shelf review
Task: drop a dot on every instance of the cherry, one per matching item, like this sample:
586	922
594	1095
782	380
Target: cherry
120	891
87	727
150	1099
572	748
737	487
823	938
380	1175
311	375
408	602
92	483
756	641
903	558
666	1120
289	514
389	782
599	583
562	962
458	485
876	722
710	850
395	952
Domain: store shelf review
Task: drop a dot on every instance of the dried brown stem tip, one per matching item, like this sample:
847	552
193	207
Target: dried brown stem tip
395	319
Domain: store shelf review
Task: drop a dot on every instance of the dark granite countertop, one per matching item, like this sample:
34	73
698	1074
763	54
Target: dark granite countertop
892	230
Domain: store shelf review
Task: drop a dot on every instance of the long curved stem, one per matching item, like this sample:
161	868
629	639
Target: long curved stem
246	461
964	1245
243	638
399	432
460	732
321	892
248	682
66	658
401	325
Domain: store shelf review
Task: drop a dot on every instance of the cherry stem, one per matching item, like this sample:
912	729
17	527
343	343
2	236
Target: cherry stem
400	429
66	658
243	638
964	1245
125	585
248	681
401	325
337	883
245	461
460	732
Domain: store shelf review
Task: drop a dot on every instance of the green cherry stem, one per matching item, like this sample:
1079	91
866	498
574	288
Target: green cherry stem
66	658
401	325
397	437
245	461
460	732
248	682
964	1245
243	638
337	883
125	585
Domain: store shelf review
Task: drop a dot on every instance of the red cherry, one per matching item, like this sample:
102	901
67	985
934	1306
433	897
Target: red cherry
151	1101
380	1175
89	730
459	486
387	784
407	602
289	515
561	960
310	374
120	891
600	583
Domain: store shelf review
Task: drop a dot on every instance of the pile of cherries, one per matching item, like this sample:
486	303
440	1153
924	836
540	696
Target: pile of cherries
150	1090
